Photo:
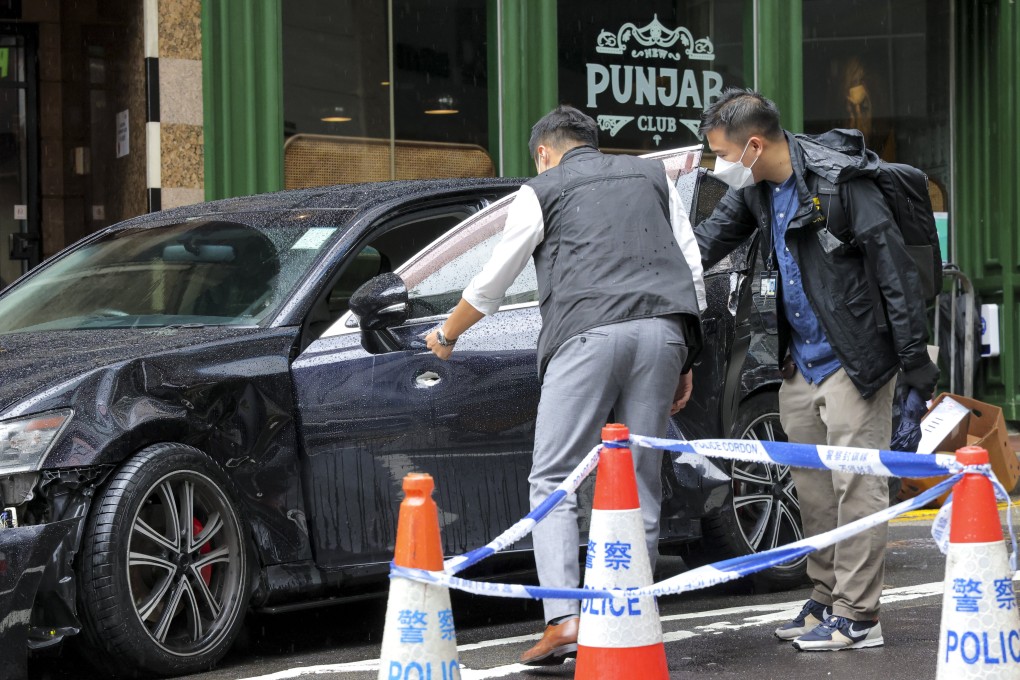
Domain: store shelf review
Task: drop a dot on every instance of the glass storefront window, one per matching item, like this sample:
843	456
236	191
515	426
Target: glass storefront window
14	153
646	71
359	106
882	66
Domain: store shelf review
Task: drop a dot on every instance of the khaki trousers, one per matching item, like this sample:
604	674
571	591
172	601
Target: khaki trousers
847	576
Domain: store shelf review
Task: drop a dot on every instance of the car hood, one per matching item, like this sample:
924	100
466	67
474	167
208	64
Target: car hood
33	362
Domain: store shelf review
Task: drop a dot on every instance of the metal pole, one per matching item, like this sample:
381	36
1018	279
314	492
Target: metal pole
952	339
393	85
968	338
499	80
961	281
952	254
755	45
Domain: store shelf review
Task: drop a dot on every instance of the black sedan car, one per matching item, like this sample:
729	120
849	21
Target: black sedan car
194	424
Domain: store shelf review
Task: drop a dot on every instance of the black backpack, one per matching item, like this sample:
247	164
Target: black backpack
905	189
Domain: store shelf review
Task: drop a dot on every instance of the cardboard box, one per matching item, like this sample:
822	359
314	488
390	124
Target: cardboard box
953	422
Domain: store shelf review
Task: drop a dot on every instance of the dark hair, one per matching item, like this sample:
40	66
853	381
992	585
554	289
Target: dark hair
561	126
742	113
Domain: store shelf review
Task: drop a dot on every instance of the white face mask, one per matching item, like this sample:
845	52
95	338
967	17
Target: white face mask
735	174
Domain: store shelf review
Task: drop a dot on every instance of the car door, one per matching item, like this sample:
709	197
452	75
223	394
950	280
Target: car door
369	419
481	403
486	395
364	419
739	327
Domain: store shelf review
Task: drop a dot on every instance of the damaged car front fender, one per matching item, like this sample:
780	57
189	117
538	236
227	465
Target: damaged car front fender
26	553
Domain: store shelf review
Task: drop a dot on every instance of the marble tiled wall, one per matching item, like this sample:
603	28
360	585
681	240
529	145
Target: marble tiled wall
125	176
79	102
180	102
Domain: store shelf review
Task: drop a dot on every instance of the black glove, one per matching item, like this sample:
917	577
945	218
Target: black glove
908	432
924	378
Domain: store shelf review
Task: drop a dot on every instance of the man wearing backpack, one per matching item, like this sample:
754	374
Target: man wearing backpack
851	315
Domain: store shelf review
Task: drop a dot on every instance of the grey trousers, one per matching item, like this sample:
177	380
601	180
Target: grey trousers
847	576
631	368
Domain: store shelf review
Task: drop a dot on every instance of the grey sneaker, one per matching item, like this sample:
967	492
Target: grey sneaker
838	632
812	614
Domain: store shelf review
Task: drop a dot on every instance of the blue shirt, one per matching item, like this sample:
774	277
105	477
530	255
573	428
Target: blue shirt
811	350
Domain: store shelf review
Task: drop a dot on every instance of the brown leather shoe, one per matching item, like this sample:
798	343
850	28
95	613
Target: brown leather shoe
557	643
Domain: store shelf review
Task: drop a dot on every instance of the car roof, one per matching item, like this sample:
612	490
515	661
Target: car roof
358	197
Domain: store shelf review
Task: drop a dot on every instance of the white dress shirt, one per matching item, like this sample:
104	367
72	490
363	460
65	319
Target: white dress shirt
525	229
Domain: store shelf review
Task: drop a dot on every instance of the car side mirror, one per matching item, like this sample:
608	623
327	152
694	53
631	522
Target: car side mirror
380	304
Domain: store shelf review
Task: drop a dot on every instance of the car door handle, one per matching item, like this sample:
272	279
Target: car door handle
427	379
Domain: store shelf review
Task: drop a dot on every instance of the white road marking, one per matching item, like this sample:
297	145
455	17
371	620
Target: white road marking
353	667
499	642
757	615
373	666
497	672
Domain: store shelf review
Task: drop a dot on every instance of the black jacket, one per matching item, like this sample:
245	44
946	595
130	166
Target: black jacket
835	249
608	254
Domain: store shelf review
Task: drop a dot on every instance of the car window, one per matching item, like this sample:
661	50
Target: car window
705	192
437	276
231	270
390	245
367	263
436	280
440	291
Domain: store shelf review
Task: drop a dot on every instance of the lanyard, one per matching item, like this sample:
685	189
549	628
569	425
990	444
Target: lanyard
771	235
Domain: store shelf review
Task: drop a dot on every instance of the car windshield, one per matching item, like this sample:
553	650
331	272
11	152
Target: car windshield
217	271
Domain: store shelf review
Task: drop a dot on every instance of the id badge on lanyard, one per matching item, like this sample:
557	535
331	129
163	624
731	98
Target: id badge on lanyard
769	280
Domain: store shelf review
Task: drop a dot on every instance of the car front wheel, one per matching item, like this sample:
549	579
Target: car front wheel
763	512
164	566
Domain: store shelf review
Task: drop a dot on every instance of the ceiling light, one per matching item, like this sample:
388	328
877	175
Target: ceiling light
442	105
335	114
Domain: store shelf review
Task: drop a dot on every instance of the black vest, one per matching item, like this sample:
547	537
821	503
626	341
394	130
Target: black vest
608	253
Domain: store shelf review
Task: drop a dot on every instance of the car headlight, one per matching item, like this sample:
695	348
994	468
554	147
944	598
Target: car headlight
25	441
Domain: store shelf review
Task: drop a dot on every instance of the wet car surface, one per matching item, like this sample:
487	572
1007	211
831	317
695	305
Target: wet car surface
196	426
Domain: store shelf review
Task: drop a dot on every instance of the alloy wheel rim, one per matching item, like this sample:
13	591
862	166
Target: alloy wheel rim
185	563
764	498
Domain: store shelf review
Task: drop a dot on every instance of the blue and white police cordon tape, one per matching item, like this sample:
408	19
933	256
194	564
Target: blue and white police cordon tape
845	459
695	579
524	526
940	526
842	458
848	459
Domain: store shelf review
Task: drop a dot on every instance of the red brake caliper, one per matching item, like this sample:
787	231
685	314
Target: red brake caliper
205	571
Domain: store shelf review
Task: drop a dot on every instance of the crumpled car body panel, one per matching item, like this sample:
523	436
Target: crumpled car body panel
25	555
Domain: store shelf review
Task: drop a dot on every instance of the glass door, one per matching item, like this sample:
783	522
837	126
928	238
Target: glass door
19	165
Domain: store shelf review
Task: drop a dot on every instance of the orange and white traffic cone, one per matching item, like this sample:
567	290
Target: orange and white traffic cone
419	639
980	635
619	637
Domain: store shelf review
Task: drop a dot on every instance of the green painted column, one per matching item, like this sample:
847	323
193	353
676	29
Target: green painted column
242	74
987	211
780	58
530	83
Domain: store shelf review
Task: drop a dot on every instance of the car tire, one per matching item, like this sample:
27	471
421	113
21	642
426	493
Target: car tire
165	566
762	512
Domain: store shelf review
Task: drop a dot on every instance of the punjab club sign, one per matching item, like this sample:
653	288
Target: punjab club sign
650	83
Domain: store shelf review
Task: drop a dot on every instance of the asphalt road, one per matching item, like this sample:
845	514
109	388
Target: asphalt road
722	633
